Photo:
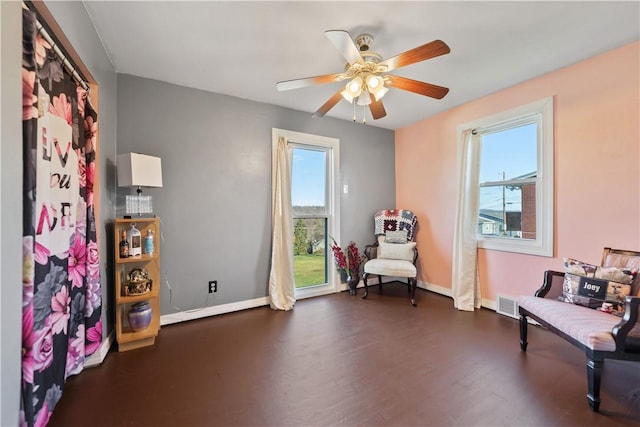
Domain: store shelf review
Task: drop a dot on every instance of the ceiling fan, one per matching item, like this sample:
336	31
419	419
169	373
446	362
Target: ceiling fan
366	72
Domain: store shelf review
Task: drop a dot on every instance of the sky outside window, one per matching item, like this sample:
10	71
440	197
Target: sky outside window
512	151
506	155
308	177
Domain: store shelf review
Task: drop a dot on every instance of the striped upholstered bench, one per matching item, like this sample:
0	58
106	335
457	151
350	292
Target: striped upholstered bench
600	335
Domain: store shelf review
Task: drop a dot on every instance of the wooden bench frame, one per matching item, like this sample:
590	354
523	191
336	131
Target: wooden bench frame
627	348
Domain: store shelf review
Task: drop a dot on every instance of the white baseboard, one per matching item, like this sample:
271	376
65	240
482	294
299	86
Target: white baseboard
199	313
435	288
489	304
97	358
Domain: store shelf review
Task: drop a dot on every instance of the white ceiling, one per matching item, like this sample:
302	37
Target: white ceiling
243	48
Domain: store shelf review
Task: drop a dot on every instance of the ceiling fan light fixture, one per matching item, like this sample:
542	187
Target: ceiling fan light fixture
376	86
378	94
364	98
373	82
355	85
347	95
353	89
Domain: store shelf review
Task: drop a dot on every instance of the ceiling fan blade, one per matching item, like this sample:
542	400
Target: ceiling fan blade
342	41
377	109
309	81
417	54
324	109
422	88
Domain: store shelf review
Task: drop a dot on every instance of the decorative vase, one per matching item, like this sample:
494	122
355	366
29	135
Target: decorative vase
353	281
140	316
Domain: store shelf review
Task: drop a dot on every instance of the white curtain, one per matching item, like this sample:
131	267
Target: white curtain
465	285
281	278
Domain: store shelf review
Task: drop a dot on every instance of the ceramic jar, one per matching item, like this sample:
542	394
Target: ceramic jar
140	316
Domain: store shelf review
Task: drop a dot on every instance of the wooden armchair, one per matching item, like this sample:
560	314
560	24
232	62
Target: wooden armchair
394	252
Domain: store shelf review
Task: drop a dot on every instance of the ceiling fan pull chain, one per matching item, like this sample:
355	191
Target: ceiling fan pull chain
364	115
354	112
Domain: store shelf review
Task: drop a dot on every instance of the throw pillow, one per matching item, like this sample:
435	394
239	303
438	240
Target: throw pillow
615	274
577	290
573	266
399	251
399	236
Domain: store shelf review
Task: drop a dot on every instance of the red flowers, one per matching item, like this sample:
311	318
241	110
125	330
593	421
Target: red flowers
348	264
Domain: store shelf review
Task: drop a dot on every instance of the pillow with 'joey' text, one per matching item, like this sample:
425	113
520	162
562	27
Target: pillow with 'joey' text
591	286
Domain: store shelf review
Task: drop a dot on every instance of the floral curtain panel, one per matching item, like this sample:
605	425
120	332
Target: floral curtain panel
62	300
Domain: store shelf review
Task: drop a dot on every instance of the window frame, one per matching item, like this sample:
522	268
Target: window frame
331	146
541	112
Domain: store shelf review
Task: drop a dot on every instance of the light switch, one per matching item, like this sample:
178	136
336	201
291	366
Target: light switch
345	189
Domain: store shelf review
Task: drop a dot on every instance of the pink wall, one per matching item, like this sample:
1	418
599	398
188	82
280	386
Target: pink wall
597	179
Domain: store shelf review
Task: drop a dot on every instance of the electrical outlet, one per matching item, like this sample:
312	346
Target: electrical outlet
213	286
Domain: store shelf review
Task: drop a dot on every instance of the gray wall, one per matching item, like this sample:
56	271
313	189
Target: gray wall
75	23
216	199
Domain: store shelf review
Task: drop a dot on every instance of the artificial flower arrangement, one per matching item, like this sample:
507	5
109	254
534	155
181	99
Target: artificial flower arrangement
348	261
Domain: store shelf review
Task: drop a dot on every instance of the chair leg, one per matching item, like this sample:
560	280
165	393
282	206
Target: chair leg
380	283
594	375
523	332
366	289
413	283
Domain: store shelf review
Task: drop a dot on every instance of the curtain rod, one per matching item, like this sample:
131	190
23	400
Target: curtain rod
500	126
67	64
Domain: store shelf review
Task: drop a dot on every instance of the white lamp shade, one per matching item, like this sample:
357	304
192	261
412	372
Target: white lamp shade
373	82
380	92
347	95
364	98
352	89
139	170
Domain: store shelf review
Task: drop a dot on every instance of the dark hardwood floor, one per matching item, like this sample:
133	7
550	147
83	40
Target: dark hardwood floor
340	361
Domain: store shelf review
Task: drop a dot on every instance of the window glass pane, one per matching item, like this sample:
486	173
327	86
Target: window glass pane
508	211
309	251
509	154
308	182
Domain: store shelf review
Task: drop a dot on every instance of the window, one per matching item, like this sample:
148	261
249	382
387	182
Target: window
310	214
315	210
515	189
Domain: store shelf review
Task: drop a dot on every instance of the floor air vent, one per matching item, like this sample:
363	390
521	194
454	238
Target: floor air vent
507	306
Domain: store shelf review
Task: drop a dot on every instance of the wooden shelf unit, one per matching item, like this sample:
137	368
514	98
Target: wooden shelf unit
128	339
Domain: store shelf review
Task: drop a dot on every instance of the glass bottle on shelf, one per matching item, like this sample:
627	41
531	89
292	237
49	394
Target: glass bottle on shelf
148	243
124	245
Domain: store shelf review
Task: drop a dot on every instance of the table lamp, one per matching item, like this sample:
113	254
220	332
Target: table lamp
139	170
